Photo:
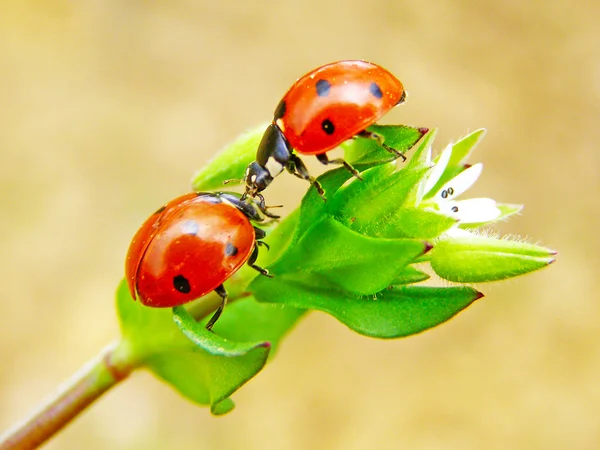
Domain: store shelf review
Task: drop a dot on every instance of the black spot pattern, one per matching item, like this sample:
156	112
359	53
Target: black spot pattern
230	249
280	110
323	87
181	284
327	126
375	90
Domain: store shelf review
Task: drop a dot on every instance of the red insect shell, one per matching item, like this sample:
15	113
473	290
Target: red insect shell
186	249
350	94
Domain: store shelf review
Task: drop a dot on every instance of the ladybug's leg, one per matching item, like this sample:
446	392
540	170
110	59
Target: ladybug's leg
296	167
263	207
260	234
380	140
252	260
323	159
221	292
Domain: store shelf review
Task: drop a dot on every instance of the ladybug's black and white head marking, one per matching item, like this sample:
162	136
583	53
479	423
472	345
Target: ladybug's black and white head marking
273	155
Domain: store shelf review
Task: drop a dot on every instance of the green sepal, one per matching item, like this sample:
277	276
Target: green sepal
392	313
357	263
456	164
368	151
370	206
409	275
479	259
201	373
230	163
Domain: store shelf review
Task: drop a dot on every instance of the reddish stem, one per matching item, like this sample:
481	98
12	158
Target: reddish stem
87	385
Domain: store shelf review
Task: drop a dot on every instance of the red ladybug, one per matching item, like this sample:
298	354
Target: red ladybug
321	110
190	246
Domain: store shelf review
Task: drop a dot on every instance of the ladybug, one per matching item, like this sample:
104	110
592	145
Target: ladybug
324	108
190	246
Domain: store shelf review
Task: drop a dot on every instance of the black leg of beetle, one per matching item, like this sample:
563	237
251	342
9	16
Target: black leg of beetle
379	139
264	244
252	260
299	169
259	233
323	159
263	207
221	292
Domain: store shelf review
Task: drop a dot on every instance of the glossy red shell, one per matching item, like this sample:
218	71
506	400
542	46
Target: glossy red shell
193	237
349	104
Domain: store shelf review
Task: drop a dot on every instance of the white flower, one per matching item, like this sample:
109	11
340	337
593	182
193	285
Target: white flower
474	210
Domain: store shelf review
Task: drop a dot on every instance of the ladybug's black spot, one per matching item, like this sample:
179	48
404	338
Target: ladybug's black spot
181	284
375	90
323	87
327	126
280	110
159	210
230	249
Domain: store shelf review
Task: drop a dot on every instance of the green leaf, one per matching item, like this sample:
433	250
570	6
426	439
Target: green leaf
480	259
417	224
357	263
461	150
372	206
362	151
393	313
409	275
200	372
230	163
212	343
418	158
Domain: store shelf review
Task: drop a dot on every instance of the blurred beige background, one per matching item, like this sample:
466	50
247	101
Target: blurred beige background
108	107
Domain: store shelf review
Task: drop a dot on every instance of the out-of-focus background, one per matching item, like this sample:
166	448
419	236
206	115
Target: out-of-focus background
107	108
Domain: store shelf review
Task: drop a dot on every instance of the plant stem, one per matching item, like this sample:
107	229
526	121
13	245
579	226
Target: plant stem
111	366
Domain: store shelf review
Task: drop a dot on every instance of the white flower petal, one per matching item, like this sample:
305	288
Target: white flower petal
473	210
459	184
428	155
438	169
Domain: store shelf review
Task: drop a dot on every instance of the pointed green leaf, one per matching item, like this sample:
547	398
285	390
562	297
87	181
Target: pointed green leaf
368	151
355	262
409	275
367	205
480	259
230	163
461	150
158	344
417	224
392	313
420	152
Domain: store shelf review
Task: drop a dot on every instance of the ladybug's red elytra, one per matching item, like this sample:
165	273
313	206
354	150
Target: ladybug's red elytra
324	108
190	246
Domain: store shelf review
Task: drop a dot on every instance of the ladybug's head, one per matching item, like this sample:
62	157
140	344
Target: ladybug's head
257	178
